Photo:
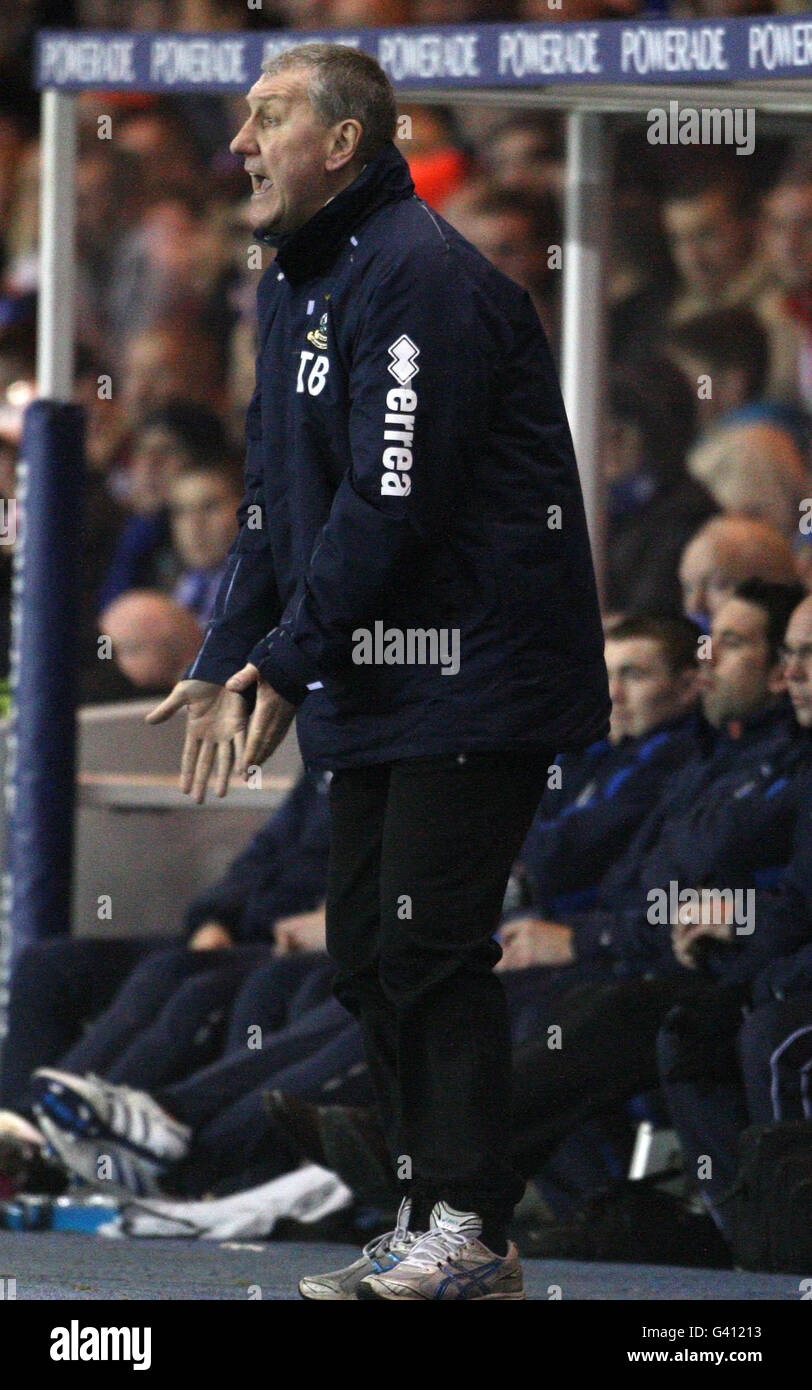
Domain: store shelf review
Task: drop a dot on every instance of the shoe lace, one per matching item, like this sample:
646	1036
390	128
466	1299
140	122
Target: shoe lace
435	1248
401	1237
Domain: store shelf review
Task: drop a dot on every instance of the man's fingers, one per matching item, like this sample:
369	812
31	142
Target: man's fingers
225	762
258	734
174	701
244	679
205	763
239	751
188	760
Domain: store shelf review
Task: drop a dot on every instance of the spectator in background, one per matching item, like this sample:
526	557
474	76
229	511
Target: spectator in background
160	139
166	441
172	358
17	127
640	282
520	236
107	203
653	507
786	236
725	355
105	424
754	469
428	140
203	501
169	263
154	639
708	219
726	552
525	154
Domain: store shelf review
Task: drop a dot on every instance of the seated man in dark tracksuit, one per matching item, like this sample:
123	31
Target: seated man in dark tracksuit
597	799
720	1074
152	1012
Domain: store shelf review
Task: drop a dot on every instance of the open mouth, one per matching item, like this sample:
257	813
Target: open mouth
260	184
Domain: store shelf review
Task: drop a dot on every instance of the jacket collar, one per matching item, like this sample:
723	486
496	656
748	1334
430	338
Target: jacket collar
312	248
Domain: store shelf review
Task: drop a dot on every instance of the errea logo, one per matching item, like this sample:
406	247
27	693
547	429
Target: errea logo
403	353
401	403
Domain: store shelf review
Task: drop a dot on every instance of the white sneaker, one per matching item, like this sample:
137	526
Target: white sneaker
449	1262
111	1136
383	1253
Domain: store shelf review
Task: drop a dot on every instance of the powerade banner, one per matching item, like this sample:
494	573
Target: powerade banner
459	56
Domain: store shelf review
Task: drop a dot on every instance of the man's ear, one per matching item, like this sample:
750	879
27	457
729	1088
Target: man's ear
346	137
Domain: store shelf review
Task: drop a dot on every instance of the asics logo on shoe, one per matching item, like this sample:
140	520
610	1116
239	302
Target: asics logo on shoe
468	1282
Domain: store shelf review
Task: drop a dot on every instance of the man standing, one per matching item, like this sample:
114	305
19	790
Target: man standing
412	579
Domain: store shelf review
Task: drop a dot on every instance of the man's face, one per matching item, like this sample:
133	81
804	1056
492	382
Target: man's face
787	236
506	238
740	679
521	161
622	449
202	508
160	364
156	460
96	206
645	690
708	242
798	662
706	579
729	387
285	146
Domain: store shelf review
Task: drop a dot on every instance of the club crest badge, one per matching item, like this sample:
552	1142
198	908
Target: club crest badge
318	336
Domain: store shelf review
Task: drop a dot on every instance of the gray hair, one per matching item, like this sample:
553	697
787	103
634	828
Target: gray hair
344	83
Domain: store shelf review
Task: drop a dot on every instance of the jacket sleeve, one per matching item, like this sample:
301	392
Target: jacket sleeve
577	848
776	955
786	976
418	390
247	599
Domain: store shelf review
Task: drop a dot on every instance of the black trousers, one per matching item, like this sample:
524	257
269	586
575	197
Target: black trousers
421	850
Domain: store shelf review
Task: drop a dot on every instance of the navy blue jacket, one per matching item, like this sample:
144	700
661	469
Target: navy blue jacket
411	462
789	909
283	870
584	825
727	821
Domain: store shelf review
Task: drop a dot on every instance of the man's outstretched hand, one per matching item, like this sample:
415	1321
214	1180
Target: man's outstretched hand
270	721
217	720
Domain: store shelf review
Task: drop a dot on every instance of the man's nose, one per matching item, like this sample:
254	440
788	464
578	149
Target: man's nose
244	141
